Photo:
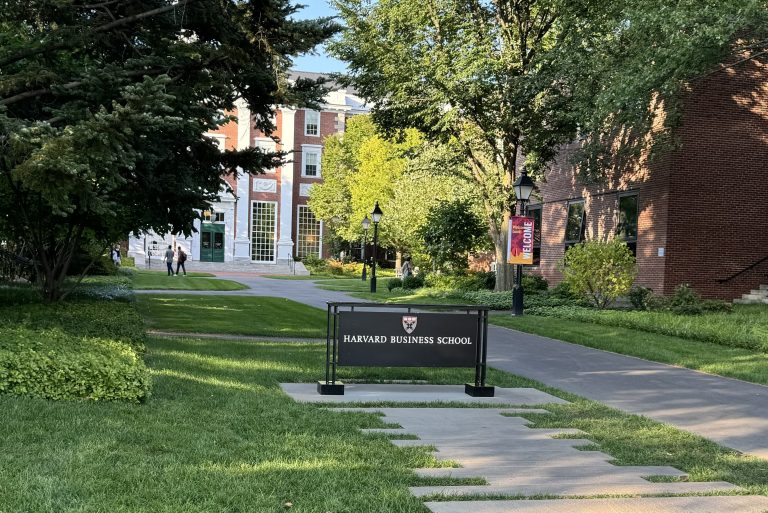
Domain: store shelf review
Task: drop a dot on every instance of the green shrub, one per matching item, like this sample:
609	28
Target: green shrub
467	282
533	283
102	265
394	283
413	282
493	300
53	364
686	301
600	271
97	319
314	265
640	296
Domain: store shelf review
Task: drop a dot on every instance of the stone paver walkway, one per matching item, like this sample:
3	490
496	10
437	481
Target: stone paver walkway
497	445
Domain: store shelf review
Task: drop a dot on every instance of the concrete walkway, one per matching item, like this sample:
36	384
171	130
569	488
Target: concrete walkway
731	412
521	461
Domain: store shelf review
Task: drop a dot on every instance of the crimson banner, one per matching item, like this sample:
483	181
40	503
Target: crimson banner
520	246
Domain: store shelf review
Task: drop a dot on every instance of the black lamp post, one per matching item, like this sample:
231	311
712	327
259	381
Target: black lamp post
366	224
376	215
523	188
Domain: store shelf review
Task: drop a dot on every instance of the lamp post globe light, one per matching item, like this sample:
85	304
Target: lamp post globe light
365	224
376	215
523	187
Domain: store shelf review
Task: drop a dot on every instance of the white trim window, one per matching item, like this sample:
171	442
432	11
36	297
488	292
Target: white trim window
268	145
311	123
309	233
310	160
263	230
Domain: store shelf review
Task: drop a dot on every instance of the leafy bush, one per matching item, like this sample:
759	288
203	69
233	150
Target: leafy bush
640	296
94	319
102	265
601	271
533	283
314	265
686	301
493	300
413	282
469	282
394	283
54	364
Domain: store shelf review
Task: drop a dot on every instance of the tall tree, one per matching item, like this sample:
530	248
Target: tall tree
406	177
103	107
479	75
508	80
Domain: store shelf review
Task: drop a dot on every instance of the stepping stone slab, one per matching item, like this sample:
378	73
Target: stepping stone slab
362	393
487	442
735	504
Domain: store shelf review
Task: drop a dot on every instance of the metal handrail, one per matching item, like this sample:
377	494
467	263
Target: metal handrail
748	268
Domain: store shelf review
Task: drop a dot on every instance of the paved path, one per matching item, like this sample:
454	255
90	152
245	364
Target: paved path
522	461
731	412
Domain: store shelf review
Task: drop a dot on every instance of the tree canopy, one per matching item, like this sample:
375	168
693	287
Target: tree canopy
407	177
508	81
103	107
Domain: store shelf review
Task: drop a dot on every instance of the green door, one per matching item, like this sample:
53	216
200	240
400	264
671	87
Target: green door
212	242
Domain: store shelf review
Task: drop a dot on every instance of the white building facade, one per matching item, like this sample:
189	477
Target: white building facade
265	220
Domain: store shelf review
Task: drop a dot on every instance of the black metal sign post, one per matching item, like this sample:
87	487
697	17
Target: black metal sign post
397	335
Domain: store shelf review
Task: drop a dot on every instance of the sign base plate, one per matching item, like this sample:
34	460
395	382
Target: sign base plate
478	391
324	388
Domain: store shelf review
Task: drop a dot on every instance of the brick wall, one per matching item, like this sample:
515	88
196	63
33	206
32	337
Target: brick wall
719	191
703	208
329	125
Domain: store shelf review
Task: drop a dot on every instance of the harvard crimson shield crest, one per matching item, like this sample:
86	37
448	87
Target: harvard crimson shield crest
409	323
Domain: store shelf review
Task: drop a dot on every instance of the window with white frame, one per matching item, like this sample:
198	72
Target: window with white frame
310	160
263	227
309	233
266	145
311	122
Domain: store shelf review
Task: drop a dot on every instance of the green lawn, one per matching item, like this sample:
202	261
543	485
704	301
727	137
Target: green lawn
218	435
241	315
362	289
155	280
713	358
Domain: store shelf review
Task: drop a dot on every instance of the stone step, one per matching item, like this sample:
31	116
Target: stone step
720	504
551	472
751	301
578	489
503	439
244	266
764	287
761	293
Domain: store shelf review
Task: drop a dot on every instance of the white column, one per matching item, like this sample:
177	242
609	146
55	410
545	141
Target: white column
285	211
242	243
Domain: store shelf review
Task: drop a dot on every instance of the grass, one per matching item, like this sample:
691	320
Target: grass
219	435
712	358
155	280
362	289
232	315
746	326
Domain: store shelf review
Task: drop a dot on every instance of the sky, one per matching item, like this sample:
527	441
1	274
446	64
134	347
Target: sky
321	62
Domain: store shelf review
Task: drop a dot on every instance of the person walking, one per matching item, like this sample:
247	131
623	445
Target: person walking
169	260
116	256
406	269
180	259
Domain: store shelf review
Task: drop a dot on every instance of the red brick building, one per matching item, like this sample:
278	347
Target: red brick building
696	215
265	220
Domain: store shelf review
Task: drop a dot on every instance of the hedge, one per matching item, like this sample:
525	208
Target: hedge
111	320
54	364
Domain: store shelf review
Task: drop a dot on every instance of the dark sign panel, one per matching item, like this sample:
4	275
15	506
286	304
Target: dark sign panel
386	339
